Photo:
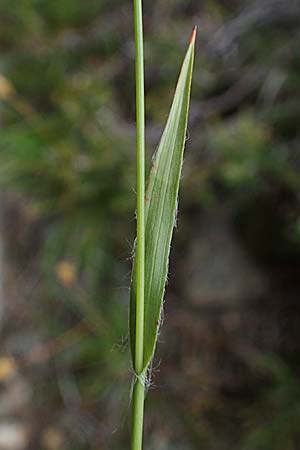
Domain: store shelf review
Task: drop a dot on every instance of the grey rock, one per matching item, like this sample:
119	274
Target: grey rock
13	436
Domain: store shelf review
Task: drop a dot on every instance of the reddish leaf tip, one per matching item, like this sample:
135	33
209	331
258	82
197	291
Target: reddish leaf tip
193	35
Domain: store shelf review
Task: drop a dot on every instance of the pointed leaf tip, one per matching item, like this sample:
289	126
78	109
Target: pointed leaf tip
193	35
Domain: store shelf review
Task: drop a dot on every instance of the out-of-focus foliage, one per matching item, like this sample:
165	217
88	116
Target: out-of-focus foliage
67	163
277	413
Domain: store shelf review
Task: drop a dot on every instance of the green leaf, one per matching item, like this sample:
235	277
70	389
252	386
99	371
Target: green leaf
160	214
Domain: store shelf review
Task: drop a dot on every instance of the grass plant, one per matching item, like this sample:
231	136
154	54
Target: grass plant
156	214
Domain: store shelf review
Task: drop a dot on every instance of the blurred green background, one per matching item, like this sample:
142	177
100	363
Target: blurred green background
226	374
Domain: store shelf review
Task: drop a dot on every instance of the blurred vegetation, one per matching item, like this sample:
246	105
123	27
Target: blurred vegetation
67	174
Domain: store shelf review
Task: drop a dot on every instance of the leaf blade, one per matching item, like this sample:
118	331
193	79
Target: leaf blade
161	205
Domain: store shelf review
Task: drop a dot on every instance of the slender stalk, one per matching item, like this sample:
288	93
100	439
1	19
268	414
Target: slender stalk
137	415
138	394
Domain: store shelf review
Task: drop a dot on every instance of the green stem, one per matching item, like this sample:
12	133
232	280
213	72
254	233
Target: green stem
138	394
137	415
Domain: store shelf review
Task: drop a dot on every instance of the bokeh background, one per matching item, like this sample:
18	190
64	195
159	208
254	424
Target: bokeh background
226	373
